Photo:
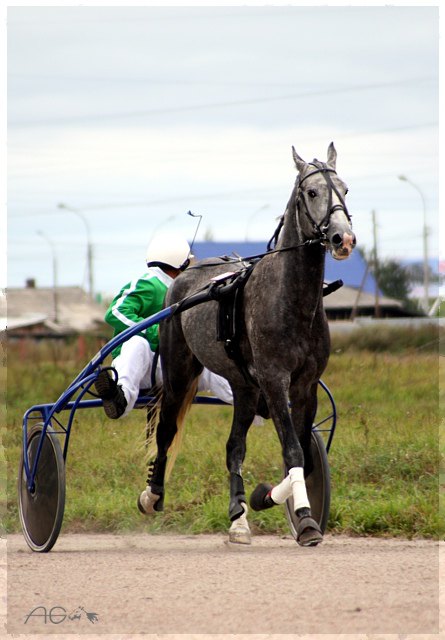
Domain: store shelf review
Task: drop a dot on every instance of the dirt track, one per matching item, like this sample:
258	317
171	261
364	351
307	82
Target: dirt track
198	585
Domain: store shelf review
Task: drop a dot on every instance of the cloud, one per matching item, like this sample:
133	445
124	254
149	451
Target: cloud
136	114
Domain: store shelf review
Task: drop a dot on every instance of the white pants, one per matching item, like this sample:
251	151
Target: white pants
134	364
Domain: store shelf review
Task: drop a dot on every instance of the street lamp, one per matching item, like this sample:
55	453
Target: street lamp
158	226
426	271
82	216
252	216
54	261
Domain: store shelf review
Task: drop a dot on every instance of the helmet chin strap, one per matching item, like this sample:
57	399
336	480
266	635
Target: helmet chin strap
185	264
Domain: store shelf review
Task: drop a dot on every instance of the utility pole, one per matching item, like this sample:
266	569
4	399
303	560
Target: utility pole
376	266
359	293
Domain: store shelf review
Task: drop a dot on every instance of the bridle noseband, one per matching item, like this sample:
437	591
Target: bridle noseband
321	228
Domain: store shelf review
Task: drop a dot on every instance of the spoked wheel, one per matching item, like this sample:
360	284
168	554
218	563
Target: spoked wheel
41	509
318	486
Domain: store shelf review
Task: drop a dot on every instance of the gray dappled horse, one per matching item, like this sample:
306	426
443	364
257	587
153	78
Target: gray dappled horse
284	343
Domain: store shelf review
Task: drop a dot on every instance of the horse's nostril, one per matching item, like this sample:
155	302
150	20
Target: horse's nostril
336	239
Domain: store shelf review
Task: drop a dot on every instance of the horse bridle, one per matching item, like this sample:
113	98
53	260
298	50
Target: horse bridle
321	228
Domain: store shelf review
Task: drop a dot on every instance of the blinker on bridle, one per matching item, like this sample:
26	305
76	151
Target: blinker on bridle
321	228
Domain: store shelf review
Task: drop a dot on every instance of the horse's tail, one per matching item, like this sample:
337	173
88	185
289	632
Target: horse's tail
153	411
180	423
153	422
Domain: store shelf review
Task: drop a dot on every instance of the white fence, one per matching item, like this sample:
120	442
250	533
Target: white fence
345	326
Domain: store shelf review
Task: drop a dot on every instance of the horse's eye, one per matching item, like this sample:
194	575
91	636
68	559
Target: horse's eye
311	193
346	191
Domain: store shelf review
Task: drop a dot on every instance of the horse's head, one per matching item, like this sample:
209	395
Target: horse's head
320	196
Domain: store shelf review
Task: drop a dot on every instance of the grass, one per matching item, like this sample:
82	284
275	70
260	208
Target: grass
384	459
388	339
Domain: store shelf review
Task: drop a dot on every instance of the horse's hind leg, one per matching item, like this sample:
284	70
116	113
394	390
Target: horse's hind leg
245	402
173	405
179	389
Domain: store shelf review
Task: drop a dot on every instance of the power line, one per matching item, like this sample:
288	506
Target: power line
182	82
214	105
149	203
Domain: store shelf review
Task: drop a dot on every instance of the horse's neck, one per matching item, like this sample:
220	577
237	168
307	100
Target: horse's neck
302	271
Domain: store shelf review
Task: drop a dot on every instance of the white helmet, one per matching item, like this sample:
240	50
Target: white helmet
169	250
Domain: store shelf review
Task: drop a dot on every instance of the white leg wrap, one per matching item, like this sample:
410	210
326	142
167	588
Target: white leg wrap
296	475
282	491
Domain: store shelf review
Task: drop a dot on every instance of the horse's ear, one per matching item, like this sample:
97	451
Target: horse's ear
332	156
299	162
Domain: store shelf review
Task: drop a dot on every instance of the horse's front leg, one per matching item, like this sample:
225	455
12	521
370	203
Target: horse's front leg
303	412
265	495
243	415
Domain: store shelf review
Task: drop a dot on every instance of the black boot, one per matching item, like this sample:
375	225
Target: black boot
111	394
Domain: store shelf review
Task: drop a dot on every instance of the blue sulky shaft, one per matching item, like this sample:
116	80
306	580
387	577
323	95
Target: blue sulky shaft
83	381
115	342
89	374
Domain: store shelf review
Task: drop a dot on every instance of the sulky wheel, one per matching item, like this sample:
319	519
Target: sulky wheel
318	486
41	509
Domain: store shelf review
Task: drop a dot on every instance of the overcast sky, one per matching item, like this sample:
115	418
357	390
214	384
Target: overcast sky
134	115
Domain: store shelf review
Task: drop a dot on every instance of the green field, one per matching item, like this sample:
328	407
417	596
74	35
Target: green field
384	459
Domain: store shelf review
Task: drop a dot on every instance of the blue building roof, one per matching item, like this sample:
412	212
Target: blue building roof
351	271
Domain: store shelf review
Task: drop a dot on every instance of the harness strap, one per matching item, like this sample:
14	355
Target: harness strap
230	317
274	239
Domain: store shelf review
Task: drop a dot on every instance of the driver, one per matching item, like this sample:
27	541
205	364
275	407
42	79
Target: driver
134	359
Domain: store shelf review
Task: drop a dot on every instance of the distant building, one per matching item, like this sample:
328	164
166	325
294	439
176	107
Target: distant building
45	312
354	271
347	303
357	296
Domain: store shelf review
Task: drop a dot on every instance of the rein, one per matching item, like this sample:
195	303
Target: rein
258	256
319	228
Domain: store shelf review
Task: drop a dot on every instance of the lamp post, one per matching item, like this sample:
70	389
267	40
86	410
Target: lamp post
54	263
252	216
426	272
159	226
81	215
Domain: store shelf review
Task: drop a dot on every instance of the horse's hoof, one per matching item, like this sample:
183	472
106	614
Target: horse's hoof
149	503
308	532
240	535
239	532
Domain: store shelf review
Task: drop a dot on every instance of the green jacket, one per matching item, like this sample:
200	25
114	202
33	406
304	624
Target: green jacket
136	301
